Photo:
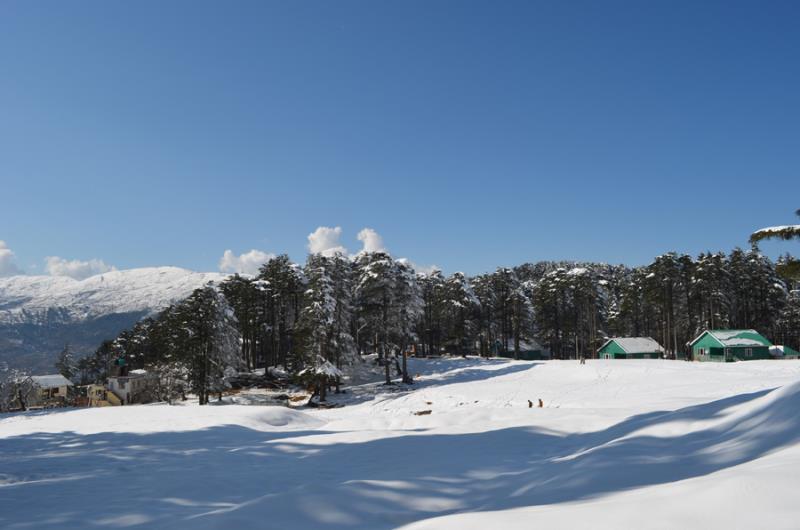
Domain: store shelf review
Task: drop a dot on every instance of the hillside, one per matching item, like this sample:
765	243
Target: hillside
618	444
39	314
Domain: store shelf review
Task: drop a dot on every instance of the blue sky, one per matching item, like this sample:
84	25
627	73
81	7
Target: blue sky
467	134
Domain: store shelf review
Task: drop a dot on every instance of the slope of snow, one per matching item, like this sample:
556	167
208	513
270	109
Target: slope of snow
618	444
30	298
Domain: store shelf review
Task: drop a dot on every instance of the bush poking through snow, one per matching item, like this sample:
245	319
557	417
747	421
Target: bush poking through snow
320	376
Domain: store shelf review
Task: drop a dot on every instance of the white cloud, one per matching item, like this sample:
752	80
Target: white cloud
246	263
8	263
77	269
371	241
325	240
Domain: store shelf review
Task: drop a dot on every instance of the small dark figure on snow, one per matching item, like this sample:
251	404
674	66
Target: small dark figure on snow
541	403
530	404
583	359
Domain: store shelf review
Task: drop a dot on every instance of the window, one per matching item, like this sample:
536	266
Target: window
748	352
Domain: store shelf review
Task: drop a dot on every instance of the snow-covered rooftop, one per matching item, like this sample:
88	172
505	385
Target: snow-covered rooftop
739	337
51	381
637	344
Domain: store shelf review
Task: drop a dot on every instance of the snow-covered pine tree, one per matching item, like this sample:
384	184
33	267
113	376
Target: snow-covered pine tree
282	284
211	339
246	298
430	324
788	322
407	309
375	291
317	318
460	313
482	287
552	307
320	373
324	328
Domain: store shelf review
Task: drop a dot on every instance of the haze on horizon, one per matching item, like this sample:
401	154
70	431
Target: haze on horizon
467	135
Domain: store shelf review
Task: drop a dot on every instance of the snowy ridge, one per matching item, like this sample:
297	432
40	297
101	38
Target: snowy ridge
33	299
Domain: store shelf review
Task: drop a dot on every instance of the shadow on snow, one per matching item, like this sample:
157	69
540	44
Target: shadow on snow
229	475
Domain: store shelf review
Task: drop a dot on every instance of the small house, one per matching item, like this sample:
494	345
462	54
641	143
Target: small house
134	387
630	348
99	396
784	352
49	390
729	345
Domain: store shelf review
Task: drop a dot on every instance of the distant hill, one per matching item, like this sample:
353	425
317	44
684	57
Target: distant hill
39	314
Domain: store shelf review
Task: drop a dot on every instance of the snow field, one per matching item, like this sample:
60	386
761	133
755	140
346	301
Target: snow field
618	444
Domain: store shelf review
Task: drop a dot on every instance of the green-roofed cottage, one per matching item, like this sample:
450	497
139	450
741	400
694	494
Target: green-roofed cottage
630	348
728	345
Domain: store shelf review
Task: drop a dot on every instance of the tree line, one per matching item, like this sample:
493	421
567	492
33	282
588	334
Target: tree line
334	308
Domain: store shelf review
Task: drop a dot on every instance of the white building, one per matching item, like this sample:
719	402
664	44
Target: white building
132	388
50	390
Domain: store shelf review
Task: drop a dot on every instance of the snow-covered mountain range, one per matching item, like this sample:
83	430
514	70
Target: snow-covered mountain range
40	314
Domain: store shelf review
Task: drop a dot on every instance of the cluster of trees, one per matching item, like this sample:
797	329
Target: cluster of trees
192	346
312	320
319	317
309	320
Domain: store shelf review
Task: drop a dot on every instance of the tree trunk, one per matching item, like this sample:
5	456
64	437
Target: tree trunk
406	378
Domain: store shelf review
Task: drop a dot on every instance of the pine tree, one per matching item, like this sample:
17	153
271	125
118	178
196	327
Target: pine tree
210	341
460	310
407	308
375	291
429	327
282	284
66	363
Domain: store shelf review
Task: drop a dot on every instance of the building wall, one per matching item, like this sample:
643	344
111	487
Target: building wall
713	351
644	355
130	389
756	353
612	350
708	349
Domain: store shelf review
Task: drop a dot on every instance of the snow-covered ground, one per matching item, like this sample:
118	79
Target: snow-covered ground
618	444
